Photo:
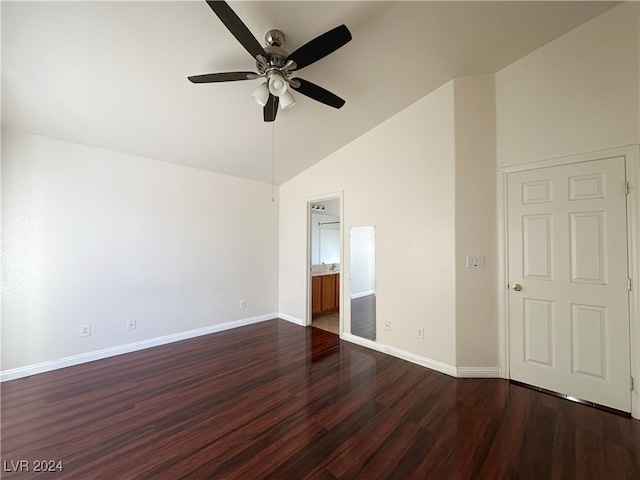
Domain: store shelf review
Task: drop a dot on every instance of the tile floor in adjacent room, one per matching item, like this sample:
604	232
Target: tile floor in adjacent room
329	322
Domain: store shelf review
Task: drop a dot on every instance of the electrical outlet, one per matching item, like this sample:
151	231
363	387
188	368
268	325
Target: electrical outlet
131	324
85	330
243	304
387	325
420	333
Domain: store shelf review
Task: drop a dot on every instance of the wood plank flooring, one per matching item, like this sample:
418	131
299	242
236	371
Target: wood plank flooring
275	400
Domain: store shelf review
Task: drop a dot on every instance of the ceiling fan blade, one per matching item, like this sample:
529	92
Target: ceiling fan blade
271	109
237	28
222	77
312	90
320	47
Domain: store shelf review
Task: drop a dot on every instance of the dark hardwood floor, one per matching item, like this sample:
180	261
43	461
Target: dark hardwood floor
274	400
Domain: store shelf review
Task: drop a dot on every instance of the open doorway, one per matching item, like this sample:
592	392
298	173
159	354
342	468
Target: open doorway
324	268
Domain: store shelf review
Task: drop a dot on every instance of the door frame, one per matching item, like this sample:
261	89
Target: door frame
631	154
317	199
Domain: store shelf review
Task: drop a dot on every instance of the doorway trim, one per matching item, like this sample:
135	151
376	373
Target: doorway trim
631	154
339	195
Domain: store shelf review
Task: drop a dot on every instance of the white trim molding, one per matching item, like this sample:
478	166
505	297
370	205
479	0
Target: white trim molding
363	294
631	155
503	273
458	372
398	353
337	195
628	152
43	367
478	372
292	319
633	228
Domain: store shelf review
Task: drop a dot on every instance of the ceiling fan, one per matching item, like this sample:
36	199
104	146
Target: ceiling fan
276	65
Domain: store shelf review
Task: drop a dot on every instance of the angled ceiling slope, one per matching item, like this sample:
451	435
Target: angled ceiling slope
113	74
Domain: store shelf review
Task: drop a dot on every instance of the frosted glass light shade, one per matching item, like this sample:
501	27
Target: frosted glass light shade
261	94
277	85
286	101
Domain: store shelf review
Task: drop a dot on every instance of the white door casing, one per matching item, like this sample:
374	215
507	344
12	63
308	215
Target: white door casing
568	327
337	195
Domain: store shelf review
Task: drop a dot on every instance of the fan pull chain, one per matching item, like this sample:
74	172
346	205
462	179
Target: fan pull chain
273	161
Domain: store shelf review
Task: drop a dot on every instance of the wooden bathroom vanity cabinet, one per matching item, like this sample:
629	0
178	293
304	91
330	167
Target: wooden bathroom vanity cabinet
325	294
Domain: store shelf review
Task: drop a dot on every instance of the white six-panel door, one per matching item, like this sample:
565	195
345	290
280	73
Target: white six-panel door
569	310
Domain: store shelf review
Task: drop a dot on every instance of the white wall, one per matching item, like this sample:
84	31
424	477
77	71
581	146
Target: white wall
400	178
93	236
577	94
476	224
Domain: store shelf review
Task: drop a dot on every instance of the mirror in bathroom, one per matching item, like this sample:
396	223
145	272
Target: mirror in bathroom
325	232
363	281
329	241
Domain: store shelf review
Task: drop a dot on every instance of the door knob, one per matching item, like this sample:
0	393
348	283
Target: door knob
517	287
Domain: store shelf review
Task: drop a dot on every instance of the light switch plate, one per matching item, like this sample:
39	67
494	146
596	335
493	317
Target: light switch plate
475	261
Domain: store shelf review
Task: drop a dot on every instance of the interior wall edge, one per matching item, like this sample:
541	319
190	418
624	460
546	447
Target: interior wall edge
292	319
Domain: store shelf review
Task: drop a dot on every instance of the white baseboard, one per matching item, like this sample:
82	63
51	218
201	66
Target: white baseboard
292	319
363	294
396	352
478	372
458	372
28	370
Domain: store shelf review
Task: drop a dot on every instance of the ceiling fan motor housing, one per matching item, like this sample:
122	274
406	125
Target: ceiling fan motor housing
274	38
277	55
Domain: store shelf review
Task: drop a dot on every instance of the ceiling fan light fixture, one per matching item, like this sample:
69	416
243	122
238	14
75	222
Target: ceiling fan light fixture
276	65
277	85
286	100
261	94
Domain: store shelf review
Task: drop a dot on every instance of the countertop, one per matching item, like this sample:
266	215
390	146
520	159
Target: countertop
322	274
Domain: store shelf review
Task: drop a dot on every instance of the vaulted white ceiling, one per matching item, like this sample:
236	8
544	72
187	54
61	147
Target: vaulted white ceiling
113	74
